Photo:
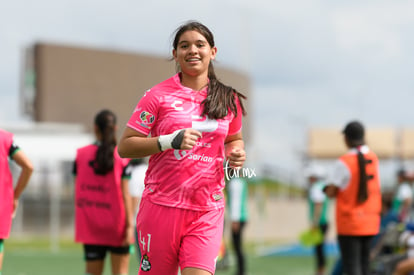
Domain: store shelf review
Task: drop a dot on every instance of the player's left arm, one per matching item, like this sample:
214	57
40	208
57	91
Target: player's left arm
129	227
234	150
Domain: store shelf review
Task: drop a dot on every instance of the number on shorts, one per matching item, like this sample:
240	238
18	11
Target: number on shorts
144	243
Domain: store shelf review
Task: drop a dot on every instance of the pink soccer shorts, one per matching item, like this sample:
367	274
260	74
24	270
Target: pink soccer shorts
173	237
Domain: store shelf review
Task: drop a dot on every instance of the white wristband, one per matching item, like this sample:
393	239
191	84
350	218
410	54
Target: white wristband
171	141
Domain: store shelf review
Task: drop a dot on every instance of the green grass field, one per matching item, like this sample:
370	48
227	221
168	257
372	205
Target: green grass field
34	257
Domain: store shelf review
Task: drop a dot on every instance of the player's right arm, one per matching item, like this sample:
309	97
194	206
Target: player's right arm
338	178
27	169
134	144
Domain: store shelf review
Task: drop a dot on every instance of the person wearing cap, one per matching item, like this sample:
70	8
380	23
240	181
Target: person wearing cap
355	184
318	212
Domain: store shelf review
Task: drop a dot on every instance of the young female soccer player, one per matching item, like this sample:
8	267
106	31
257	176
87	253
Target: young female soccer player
104	219
9	197
194	123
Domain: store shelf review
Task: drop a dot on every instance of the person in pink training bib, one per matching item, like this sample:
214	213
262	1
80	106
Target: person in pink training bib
9	196
103	212
190	125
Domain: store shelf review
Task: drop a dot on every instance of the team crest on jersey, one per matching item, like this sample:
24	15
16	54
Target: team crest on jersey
146	117
145	263
217	197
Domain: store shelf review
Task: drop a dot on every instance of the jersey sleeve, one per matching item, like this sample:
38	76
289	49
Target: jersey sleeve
13	149
405	192
339	175
235	125
145	113
317	195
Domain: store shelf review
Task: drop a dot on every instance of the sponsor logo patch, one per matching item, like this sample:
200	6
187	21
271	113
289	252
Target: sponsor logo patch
146	117
177	105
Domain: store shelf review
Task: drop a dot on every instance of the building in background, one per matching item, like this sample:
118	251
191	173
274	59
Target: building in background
68	84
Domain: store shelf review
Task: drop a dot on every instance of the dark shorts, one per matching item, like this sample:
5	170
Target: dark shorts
98	252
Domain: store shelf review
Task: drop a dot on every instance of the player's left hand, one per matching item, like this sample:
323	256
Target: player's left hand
236	157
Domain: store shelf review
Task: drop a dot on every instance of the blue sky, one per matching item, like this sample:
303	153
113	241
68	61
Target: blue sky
312	63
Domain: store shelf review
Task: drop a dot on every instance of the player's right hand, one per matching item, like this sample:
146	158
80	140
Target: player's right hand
183	139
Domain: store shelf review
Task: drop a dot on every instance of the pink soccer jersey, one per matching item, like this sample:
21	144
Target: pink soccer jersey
6	185
189	179
99	206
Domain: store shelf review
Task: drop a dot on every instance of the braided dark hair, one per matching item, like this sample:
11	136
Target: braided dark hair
363	178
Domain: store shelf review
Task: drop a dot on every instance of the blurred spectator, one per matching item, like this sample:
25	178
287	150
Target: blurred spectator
406	266
403	198
237	202
318	212
354	182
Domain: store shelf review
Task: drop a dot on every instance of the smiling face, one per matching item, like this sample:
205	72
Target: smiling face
193	53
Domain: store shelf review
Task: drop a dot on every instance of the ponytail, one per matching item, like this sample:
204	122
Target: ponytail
354	137
363	178
105	121
220	98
